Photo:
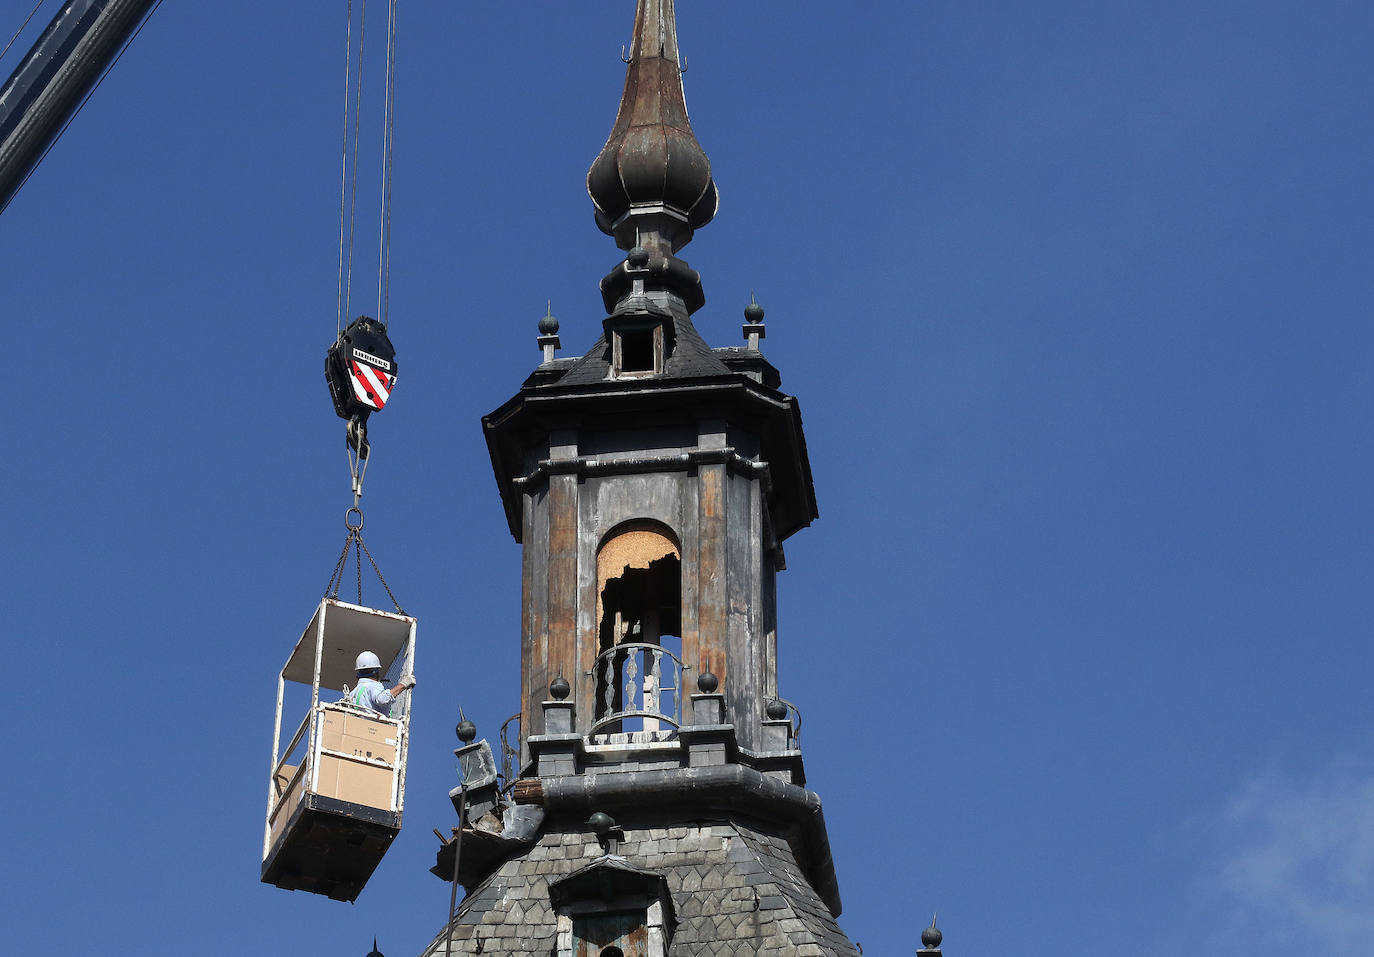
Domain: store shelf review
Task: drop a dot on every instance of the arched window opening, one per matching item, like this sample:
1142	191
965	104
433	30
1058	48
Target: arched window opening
639	599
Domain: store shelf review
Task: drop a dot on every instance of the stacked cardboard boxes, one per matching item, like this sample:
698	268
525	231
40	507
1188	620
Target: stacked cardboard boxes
353	773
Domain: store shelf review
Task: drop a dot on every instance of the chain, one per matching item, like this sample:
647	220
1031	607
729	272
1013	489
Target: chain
336	580
355	543
381	579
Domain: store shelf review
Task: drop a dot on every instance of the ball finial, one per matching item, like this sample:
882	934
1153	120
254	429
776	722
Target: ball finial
601	823
548	326
638	257
465	729
775	709
559	688
931	936
753	312
707	683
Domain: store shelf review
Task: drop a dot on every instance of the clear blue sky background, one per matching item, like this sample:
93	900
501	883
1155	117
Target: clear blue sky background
1075	296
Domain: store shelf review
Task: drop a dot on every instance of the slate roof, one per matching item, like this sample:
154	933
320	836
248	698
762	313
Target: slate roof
735	884
690	358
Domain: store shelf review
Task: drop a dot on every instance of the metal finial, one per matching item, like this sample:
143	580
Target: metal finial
465	729
753	322
753	312
600	823
548	325
559	687
548	333
375	951
931	936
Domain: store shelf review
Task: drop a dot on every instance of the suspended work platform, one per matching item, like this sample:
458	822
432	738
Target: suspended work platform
337	788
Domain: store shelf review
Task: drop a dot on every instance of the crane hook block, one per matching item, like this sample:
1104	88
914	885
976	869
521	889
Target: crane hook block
360	368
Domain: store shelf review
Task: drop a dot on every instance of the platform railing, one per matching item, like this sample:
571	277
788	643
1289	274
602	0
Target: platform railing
633	680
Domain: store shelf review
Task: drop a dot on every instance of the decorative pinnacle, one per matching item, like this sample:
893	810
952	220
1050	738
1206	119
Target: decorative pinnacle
931	936
548	333
753	312
375	951
559	688
651	183
601	823
548	326
465	729
754	329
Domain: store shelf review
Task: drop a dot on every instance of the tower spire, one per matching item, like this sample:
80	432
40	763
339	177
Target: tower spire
651	183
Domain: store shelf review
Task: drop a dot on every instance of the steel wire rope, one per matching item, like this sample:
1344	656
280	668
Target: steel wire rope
21	28
343	166
353	198
388	131
81	106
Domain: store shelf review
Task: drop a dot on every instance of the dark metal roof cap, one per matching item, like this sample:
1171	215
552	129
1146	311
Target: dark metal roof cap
652	184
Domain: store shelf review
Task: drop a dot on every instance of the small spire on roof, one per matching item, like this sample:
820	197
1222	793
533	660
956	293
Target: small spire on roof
548	333
931	939
753	322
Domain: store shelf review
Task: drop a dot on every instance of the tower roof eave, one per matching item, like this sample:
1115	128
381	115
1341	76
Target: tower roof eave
523	423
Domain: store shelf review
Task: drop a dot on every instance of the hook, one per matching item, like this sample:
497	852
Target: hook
623	57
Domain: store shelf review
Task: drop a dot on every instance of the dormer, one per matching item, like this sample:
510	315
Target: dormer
640	342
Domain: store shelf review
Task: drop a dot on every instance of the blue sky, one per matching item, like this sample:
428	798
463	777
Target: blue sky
1075	297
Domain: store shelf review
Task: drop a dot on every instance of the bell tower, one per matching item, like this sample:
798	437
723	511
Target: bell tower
660	805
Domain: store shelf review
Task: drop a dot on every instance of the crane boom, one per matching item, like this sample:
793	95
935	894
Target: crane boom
55	77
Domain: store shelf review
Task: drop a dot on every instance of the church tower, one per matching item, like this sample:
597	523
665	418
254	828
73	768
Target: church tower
658	806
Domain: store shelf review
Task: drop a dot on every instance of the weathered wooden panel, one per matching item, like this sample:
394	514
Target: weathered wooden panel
595	936
562	652
711	573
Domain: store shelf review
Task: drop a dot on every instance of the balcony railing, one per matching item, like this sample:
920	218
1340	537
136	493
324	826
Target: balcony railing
637	681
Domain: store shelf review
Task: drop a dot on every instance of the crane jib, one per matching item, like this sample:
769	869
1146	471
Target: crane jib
57	74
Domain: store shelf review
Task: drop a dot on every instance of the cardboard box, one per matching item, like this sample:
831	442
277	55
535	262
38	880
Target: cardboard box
355	781
358	734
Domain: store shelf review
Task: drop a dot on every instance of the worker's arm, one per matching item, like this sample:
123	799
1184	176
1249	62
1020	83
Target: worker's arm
405	684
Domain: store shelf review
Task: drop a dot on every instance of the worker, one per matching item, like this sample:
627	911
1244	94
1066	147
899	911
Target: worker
369	692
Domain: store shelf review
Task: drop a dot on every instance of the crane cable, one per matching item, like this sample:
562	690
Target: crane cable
348	180
21	28
348	206
388	128
348	186
348	190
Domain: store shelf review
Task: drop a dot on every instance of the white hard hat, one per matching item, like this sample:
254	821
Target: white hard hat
366	661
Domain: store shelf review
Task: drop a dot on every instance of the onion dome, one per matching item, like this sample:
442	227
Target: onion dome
651	184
